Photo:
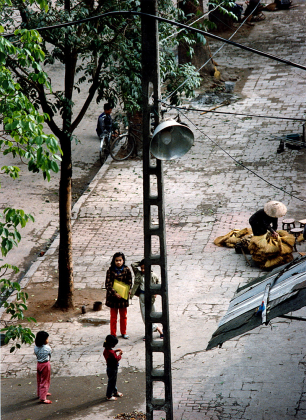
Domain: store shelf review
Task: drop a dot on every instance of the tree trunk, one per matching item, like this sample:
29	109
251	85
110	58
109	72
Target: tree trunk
136	120
201	52
65	262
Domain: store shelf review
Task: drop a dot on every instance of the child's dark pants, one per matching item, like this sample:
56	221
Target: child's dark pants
112	379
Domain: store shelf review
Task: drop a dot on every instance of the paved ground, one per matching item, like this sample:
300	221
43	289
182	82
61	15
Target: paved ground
258	376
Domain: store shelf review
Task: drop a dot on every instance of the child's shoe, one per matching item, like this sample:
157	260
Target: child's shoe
119	394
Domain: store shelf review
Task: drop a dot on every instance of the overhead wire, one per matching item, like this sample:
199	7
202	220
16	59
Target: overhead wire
288	62
230	113
195	21
215	53
238	162
172	22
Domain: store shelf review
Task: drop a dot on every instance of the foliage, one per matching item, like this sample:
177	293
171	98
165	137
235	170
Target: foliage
9	233
16	311
21	136
108	50
101	56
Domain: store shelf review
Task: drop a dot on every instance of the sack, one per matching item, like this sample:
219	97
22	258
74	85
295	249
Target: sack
269	252
232	238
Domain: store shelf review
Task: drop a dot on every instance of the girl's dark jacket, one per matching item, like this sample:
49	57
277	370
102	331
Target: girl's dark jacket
126	277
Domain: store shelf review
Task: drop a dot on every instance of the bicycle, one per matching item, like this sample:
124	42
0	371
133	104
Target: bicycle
123	146
105	140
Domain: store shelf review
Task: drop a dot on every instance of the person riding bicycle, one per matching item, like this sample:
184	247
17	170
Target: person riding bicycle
105	121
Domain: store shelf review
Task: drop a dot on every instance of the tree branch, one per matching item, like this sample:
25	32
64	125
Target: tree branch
92	90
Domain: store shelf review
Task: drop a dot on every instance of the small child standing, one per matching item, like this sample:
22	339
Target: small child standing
112	359
43	353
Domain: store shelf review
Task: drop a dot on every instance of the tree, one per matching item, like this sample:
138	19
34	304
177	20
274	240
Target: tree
195	50
105	56
22	136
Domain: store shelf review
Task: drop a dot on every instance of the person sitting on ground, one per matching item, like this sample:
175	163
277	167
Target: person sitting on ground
251	10
139	290
105	121
261	220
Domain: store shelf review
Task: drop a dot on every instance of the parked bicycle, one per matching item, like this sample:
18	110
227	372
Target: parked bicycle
120	146
124	145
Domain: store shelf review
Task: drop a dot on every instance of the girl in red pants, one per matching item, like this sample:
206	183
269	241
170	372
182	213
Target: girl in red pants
43	354
117	271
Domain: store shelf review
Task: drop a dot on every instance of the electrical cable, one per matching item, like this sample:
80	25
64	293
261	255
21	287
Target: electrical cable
225	41
172	22
208	35
231	113
240	163
223	23
216	52
204	14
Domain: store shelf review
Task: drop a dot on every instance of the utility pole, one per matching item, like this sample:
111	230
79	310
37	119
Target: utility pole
158	375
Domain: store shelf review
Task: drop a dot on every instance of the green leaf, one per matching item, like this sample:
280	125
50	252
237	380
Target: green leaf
54	166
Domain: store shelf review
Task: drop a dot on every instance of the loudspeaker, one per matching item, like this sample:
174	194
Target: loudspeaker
171	140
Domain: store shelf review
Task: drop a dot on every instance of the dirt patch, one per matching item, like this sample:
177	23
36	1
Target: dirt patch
79	185
42	309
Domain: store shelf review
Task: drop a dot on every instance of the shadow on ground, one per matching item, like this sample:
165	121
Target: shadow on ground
71	396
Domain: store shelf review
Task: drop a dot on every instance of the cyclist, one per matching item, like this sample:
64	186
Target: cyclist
105	121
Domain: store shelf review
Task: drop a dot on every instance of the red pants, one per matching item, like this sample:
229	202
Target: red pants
43	379
113	320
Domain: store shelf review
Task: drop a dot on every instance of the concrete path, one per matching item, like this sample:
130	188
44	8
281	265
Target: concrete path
260	375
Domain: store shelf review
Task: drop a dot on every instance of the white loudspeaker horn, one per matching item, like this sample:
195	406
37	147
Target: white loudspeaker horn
171	140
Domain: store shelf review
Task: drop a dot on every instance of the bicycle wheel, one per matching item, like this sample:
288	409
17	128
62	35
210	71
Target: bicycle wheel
122	147
104	152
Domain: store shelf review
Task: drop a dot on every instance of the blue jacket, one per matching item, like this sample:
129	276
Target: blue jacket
104	123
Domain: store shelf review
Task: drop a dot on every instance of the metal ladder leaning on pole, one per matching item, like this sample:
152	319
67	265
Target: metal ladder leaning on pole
153	175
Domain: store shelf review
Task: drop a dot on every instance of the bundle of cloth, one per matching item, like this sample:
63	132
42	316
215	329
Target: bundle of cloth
268	246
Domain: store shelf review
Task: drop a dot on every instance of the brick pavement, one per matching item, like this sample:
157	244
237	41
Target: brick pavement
260	375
